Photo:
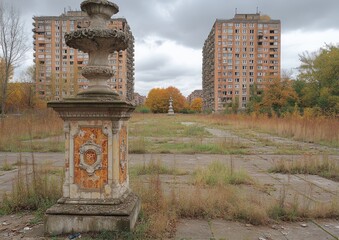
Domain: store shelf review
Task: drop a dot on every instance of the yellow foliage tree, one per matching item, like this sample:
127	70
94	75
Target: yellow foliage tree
158	100
21	97
178	99
196	105
279	95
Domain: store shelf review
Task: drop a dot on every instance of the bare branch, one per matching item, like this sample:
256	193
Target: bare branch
13	46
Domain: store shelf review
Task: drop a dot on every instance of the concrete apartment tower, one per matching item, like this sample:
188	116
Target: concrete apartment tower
58	67
237	54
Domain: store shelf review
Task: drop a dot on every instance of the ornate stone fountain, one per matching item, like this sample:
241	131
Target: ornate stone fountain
96	193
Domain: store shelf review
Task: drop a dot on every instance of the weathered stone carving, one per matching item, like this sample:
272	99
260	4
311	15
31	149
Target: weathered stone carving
104	7
123	160
90	157
88	40
123	155
90	72
98	41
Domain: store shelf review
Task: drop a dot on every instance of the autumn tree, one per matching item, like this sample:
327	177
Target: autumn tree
319	74
158	99
278	96
196	105
13	44
178	99
18	97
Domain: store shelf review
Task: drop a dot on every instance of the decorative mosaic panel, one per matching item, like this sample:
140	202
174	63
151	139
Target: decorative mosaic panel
91	158
123	155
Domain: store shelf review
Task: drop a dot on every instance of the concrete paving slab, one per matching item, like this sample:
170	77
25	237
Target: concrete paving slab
193	229
294	231
303	187
326	184
329	225
227	230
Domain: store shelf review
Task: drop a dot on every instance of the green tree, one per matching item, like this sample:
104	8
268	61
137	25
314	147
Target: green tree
254	104
320	73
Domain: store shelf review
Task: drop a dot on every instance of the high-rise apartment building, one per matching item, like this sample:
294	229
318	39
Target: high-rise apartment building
237	54
58	67
195	94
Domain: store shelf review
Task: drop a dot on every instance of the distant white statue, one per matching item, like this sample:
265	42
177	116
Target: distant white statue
170	109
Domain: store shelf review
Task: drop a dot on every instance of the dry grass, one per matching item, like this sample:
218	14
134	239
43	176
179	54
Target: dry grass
17	131
137	145
34	188
6	166
323	167
219	174
161	211
301	208
156	218
154	167
308	129
226	202
163	205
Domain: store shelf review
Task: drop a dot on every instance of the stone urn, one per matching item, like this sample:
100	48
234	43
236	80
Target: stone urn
96	193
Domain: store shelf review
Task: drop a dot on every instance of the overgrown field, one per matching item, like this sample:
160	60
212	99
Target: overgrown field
216	191
20	132
158	133
223	189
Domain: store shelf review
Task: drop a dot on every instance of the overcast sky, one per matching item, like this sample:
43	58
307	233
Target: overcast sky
169	34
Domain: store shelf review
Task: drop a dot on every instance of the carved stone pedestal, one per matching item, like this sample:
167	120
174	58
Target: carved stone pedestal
74	218
96	193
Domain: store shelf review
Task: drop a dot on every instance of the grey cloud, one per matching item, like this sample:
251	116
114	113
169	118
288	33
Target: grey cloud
192	20
188	22
167	73
152	62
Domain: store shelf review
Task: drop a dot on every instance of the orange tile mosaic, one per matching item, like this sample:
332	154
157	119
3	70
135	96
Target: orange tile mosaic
91	178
